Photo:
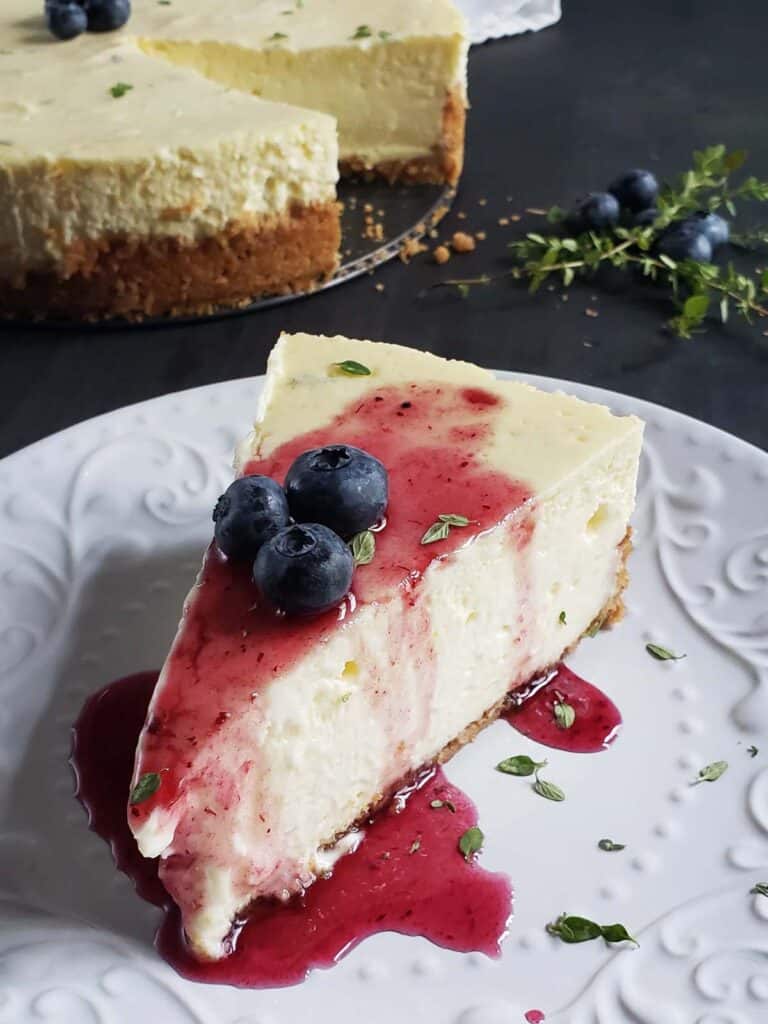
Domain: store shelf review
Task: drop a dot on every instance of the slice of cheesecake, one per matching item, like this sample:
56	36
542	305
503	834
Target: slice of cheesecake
269	738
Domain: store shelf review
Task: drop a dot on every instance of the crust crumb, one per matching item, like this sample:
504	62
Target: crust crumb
441	254
462	242
412	247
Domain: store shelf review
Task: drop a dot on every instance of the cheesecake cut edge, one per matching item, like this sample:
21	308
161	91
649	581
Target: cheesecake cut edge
442	166
342	843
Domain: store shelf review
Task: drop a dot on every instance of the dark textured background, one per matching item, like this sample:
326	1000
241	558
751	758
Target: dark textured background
613	86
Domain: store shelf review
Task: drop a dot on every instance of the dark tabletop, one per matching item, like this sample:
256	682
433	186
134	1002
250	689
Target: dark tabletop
553	114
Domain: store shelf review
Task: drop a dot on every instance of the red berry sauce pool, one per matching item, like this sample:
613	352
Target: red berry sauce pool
594	728
406	876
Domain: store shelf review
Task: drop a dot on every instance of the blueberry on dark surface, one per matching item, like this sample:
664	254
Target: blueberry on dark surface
304	569
65	19
340	486
715	227
249	512
636	189
596	212
685	241
107	15
644	218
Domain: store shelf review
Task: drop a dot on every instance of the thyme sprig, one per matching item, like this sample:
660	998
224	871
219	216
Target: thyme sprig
696	288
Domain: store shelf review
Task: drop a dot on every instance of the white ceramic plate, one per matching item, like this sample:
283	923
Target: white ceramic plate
101	529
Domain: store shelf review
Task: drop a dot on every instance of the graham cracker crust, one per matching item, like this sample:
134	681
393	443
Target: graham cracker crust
139	277
442	166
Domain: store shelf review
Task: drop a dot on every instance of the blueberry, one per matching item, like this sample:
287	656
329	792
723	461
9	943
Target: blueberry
715	227
340	486
249	513
304	569
644	218
107	15
685	241
597	211
636	189
65	19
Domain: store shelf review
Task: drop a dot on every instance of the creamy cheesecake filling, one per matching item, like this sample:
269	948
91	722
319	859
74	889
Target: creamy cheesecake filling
389	98
272	739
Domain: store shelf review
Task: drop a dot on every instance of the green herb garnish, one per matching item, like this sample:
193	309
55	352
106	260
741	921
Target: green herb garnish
759	889
276	37
564	714
363	546
352	368
362	32
452	519
711	772
471	842
436	532
119	89
562	619
572	929
520	765
440	529
609	846
617	933
385	35
548	790
696	289
753	751
662	654
146	787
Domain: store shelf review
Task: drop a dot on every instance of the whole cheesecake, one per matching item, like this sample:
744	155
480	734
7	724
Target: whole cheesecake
190	160
268	737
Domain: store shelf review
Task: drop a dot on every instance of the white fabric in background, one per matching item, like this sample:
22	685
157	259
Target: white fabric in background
490	19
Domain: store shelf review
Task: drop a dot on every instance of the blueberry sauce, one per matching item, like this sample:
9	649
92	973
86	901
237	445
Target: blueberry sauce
595	727
406	876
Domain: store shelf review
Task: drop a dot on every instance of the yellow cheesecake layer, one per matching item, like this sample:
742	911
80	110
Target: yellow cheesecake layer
383	70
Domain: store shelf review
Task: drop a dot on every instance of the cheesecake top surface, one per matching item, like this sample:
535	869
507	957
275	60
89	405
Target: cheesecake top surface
533	436
69	99
298	24
100	97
